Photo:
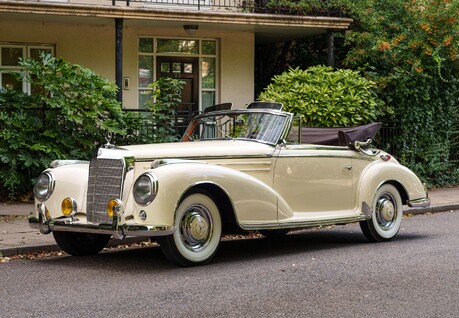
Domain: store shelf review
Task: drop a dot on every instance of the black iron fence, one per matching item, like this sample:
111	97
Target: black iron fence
312	7
143	130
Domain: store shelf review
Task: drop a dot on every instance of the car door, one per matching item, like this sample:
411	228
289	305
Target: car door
314	183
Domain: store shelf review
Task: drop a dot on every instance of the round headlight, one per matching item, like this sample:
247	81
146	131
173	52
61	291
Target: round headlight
44	186
145	189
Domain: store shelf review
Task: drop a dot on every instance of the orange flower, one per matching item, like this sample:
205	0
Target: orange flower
384	46
448	40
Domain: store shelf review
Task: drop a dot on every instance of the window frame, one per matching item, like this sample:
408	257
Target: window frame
200	55
26	53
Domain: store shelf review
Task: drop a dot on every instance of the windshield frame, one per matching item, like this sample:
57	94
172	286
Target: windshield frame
197	120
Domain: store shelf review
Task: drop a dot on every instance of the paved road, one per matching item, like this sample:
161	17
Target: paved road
317	273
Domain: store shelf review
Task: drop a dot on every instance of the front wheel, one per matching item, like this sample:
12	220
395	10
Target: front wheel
386	216
198	232
79	244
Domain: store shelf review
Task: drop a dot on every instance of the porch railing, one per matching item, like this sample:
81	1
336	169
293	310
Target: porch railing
315	8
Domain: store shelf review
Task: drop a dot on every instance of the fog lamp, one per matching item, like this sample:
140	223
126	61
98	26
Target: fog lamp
114	207
69	207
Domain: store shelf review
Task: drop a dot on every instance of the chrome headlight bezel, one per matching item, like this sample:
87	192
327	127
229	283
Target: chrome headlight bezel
145	189
44	186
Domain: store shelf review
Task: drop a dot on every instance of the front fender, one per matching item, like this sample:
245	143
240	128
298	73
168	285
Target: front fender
252	200
70	181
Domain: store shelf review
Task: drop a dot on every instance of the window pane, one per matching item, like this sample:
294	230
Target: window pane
9	81
146	45
208	72
144	97
165	67
35	53
11	56
188	68
209	47
145	71
177	46
177	67
208	99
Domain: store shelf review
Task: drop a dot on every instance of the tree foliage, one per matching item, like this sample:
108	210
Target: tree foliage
325	97
411	49
71	109
66	118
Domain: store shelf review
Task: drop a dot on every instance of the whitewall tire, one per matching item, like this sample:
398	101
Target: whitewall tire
198	232
386	216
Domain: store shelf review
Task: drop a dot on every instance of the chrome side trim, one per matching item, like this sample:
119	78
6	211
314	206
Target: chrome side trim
419	203
204	159
249	166
302	225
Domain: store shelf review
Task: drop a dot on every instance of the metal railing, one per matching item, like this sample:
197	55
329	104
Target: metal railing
316	8
387	139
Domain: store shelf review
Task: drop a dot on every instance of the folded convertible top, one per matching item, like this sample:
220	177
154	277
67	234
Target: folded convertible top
342	136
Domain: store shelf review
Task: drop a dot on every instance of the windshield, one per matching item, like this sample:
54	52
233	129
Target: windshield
263	126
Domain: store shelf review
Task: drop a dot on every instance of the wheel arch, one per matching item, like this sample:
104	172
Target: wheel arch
400	188
221	199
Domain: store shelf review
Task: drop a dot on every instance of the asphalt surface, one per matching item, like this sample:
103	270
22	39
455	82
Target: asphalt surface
16	237
332	272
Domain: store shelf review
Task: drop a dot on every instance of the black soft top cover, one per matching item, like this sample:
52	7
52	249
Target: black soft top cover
343	136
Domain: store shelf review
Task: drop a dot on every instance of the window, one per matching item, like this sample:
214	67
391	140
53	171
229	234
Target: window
205	51
10	56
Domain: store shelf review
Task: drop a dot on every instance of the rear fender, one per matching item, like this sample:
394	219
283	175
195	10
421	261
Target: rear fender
408	184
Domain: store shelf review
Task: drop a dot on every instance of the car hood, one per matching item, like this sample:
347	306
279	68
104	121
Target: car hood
200	150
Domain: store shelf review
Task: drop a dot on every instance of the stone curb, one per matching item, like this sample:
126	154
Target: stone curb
44	248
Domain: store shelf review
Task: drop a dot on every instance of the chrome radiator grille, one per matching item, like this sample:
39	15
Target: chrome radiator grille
105	183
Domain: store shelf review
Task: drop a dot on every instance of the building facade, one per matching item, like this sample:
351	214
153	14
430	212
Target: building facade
210	44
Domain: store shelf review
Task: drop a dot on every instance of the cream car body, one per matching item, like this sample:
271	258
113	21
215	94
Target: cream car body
252	183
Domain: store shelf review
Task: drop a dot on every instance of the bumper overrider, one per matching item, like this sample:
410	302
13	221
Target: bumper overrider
46	225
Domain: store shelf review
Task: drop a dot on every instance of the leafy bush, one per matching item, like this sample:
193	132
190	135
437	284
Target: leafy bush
75	108
167	93
324	97
67	118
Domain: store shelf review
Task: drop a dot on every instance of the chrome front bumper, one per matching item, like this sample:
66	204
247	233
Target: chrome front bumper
119	231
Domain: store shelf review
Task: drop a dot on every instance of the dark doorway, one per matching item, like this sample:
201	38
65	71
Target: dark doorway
186	69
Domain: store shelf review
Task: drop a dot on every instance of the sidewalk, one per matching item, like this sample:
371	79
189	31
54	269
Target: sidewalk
16	237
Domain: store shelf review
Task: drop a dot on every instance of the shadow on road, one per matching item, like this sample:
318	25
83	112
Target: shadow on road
233	251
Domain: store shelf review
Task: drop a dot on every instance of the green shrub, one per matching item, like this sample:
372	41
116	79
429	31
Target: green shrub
67	118
166	95
324	97
69	114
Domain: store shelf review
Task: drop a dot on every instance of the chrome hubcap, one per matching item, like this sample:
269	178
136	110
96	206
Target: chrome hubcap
196	227
386	211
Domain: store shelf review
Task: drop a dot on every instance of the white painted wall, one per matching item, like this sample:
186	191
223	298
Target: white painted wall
93	46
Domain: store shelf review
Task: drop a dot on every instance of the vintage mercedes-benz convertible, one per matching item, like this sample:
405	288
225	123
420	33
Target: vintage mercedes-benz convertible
246	169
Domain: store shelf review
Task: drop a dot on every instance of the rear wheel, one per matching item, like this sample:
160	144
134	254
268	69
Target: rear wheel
79	244
386	217
198	232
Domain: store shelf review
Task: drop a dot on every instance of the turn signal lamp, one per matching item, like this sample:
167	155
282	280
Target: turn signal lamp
114	207
68	206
